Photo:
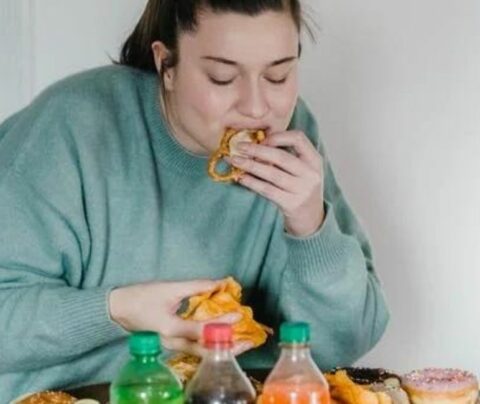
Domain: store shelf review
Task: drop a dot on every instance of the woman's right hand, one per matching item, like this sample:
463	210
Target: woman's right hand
153	306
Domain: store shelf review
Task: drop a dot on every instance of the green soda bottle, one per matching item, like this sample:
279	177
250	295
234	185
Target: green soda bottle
145	379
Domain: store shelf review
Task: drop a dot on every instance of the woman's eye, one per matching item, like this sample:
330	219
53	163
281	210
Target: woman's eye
220	82
280	81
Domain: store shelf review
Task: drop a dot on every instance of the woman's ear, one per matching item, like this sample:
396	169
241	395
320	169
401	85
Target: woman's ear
161	54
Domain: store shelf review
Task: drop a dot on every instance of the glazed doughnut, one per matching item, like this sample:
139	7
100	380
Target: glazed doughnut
228	147
441	386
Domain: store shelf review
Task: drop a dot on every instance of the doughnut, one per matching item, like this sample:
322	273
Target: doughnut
441	386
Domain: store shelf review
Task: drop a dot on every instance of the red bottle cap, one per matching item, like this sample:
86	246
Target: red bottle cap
217	333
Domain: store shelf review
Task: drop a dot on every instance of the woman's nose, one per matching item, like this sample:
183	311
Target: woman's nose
252	101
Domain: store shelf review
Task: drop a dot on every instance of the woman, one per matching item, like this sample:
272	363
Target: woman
109	219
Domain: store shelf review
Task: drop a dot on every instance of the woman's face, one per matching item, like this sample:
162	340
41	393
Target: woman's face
235	71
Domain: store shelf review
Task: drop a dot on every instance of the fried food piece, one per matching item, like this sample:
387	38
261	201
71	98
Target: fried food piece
344	391
184	366
49	397
228	147
226	298
378	380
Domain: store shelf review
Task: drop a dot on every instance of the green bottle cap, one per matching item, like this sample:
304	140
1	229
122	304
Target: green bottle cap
295	333
144	343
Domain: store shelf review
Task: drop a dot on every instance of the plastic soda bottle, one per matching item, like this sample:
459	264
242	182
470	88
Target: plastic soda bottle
145	379
295	378
219	378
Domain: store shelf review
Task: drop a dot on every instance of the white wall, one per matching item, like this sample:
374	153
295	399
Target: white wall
73	35
16	66
396	88
398	97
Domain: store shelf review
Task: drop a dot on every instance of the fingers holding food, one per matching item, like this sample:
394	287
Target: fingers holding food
229	148
223	304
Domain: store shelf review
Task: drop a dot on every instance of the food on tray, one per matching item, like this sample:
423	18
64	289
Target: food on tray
184	366
226	298
367	376
378	380
48	397
441	386
343	390
227	148
393	388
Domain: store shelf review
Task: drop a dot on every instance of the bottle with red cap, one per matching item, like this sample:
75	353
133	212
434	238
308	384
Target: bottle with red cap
219	379
295	378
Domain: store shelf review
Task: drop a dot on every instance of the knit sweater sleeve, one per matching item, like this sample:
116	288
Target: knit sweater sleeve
326	279
47	314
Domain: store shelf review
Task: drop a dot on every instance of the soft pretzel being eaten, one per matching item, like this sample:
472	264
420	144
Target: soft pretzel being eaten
228	147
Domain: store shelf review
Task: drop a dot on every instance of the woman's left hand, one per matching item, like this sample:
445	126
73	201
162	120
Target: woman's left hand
294	182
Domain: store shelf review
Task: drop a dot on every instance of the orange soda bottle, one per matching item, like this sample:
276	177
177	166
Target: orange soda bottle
295	378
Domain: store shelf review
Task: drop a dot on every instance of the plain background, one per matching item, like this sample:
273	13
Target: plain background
395	86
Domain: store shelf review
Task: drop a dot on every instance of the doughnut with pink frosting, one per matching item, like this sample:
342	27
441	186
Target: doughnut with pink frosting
441	386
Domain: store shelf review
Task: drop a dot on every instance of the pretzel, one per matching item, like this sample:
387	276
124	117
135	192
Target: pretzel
228	148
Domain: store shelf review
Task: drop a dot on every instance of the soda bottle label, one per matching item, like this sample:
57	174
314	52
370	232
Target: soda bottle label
146	394
294	393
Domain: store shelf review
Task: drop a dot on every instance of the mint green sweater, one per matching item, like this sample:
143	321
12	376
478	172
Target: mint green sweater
95	194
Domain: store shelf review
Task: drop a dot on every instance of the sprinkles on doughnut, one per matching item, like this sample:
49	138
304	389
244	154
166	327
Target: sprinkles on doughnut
441	386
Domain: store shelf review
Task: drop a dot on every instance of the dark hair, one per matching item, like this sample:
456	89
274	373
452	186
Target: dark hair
164	20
